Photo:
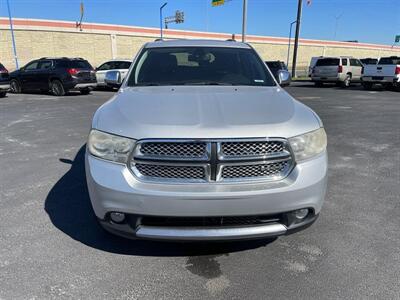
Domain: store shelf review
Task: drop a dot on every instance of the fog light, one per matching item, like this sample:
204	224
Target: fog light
301	213
117	217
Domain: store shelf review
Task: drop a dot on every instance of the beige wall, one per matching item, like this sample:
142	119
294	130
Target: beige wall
98	47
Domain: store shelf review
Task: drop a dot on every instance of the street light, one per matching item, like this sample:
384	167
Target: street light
12	35
296	39
244	21
336	24
290	37
161	19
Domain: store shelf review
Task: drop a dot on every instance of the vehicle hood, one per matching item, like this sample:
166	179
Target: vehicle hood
204	112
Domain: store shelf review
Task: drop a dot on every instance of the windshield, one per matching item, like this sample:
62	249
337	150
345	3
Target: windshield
328	62
199	66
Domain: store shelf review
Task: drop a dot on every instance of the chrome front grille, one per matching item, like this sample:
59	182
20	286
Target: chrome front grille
256	170
249	148
187	161
172	172
174	150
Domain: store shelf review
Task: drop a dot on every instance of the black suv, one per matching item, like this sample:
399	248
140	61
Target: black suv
59	75
4	81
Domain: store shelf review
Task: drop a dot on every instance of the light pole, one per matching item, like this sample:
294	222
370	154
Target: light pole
244	21
12	35
290	37
296	40
161	19
336	24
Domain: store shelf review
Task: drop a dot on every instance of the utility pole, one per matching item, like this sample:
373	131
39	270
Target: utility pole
296	41
12	34
161	20
290	38
244	21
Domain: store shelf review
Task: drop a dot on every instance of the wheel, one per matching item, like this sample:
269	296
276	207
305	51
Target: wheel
57	88
347	81
85	91
318	83
15	86
3	94
367	85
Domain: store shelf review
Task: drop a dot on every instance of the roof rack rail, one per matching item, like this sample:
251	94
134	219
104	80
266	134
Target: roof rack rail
158	39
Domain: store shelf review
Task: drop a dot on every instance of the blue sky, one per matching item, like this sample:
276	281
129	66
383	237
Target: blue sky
374	21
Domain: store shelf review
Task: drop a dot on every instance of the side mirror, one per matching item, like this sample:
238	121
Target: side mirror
284	78
113	78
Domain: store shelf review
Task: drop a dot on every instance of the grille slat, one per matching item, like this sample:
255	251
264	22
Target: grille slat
193	161
251	171
172	150
256	148
163	171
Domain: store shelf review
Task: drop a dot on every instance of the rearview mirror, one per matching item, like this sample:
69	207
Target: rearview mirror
113	78
284	78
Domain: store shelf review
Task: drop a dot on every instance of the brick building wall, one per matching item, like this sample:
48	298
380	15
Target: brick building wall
100	42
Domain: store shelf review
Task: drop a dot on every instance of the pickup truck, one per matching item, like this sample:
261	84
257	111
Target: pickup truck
202	143
386	73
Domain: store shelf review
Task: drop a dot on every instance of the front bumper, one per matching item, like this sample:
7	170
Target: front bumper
4	86
113	188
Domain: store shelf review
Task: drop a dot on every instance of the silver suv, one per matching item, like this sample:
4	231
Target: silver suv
201	143
340	70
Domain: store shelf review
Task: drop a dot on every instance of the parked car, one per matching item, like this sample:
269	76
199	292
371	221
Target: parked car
121	66
275	67
201	143
340	70
312	64
4	81
369	61
58	75
385	73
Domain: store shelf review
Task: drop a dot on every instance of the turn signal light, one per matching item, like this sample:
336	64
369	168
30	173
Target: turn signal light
340	69
397	71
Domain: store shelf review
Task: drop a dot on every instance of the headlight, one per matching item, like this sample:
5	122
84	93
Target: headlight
110	147
308	145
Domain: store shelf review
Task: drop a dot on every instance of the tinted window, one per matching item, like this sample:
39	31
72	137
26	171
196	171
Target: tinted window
105	66
344	62
45	64
31	66
389	61
199	66
273	64
328	62
122	64
369	61
79	64
112	65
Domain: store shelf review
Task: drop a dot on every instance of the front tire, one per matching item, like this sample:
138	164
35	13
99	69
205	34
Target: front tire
57	88
15	86
3	94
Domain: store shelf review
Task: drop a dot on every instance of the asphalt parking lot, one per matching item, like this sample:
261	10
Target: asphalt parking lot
51	246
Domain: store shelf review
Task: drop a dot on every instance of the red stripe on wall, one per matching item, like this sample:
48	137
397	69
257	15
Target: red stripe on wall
155	31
